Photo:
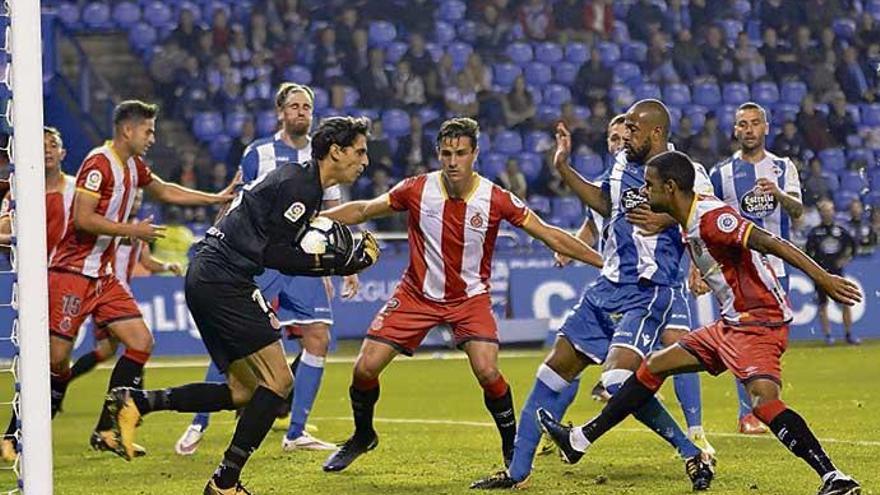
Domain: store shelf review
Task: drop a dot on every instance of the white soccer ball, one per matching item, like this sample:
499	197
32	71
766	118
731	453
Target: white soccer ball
319	234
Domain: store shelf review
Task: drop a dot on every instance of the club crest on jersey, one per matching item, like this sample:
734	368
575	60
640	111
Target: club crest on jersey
93	180
631	198
727	223
295	212
758	205
476	221
777	171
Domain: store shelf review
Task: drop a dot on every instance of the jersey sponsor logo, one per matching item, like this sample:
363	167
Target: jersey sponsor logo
476	221
631	199
726	223
777	171
758	205
93	180
295	212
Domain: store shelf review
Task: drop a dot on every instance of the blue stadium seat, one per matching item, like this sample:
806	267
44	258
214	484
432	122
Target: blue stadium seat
507	142
581	112
126	14
556	95
194	9
538	74
871	114
676	94
459	52
648	90
381	33
159	15
467	31
548	52
832	159
219	147
854	141
707	94
627	73
69	14
96	15
874	178
429	114
350	97
855	112
844	28
765	93
732	28
735	93
577	53
853	181
451	11
298	74
267	122
151	209
872	199
742	8
548	114
589	165
832	179
843	198
530	164
782	112
793	92
634	51
444	33
540	205
609	52
697	114
234	122
519	53
674	117
621	98
484	142
370	113
395	122
207	125
322	99
864	154
537	95
568	208
537	141
505	73
620	33
142	36
565	73
492	164
395	51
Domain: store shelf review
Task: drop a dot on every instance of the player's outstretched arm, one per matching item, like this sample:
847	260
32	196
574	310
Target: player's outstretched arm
87	220
355	212
839	288
561	241
169	192
590	194
587	233
155	265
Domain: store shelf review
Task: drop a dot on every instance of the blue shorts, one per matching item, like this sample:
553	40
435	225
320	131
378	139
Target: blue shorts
301	300
680	315
624	315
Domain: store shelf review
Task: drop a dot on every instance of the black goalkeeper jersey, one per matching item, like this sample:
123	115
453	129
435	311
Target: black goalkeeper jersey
268	213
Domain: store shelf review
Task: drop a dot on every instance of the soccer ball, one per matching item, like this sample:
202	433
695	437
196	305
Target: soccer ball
324	235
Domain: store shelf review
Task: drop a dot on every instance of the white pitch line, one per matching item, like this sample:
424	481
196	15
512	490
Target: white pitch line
482	424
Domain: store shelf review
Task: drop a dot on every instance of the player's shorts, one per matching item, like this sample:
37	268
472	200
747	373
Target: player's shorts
407	318
301	300
623	315
73	297
748	352
680	314
229	311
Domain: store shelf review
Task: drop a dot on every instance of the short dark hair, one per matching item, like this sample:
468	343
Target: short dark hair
674	166
134	110
750	105
53	131
459	127
341	131
289	87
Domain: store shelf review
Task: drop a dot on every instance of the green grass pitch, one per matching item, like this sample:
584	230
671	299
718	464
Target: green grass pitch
436	437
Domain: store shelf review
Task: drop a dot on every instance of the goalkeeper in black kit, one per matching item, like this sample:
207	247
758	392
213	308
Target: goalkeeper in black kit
270	224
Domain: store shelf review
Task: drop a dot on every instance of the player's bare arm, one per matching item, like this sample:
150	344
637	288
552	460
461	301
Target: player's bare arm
155	265
695	282
561	241
790	202
839	288
169	192
356	212
649	222
590	194
86	219
5	230
587	233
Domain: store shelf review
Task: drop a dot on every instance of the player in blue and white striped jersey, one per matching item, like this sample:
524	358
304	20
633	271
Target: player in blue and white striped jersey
766	190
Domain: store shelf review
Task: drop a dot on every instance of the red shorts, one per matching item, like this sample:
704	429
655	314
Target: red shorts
749	353
406	318
73	297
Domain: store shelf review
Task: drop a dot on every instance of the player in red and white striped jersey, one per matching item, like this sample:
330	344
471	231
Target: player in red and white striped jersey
751	334
81	278
454	215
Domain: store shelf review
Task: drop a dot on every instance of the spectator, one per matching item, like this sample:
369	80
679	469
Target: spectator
701	150
779	58
346	26
597	126
164	66
644	19
220	33
418	57
536	19
174	246
599	18
513	179
852	78
417	17
701	15
749	64
821	79
805	51
219	177
860	229
186	174
718	141
659	65
780	15
478	73
813	125
682	138
867	32
576	125
686	57
357	59
716	55
328	60
840	122
461	99
230	98
818	12
568	20
518	105
828	42
409	87
190	86
790	143
239	52
379	148
413	148
554	186
492	29
380	183
446	74
187	32
677	17
204	49
240	143
593	81
375	85
286	54
816	185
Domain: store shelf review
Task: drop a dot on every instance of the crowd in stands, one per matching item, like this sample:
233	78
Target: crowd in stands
519	66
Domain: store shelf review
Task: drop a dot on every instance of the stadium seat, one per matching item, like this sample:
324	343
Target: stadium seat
267	122
537	141
872	199
548	52
159	15
589	165
793	92
697	114
676	94
707	94
68	13
459	52
634	51
548	114
530	164
540	204
842	199
609	53
568	208
519	53
627	73
765	93
782	112
484	142
832	179
620	33
556	95
381	33
207	125
428	115
505	73
350	97
492	164
565	73
871	114
853	181
648	90
844	28
581	112
864	154
832	159
855	112
395	51
742	8
507	142
735	93
874	178
142	36
96	15
444	33
298	74
395	122
537	74
621	98
322	99
577	53
732	28
674	117
234	122
435	50
537	95
126	14
219	147
151	209
370	113
467	31
451	11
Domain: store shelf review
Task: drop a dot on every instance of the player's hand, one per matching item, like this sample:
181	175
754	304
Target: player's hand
175	268
560	260
328	287
370	247
366	253
350	286
841	289
767	186
146	230
648	222
228	192
563	146
695	282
